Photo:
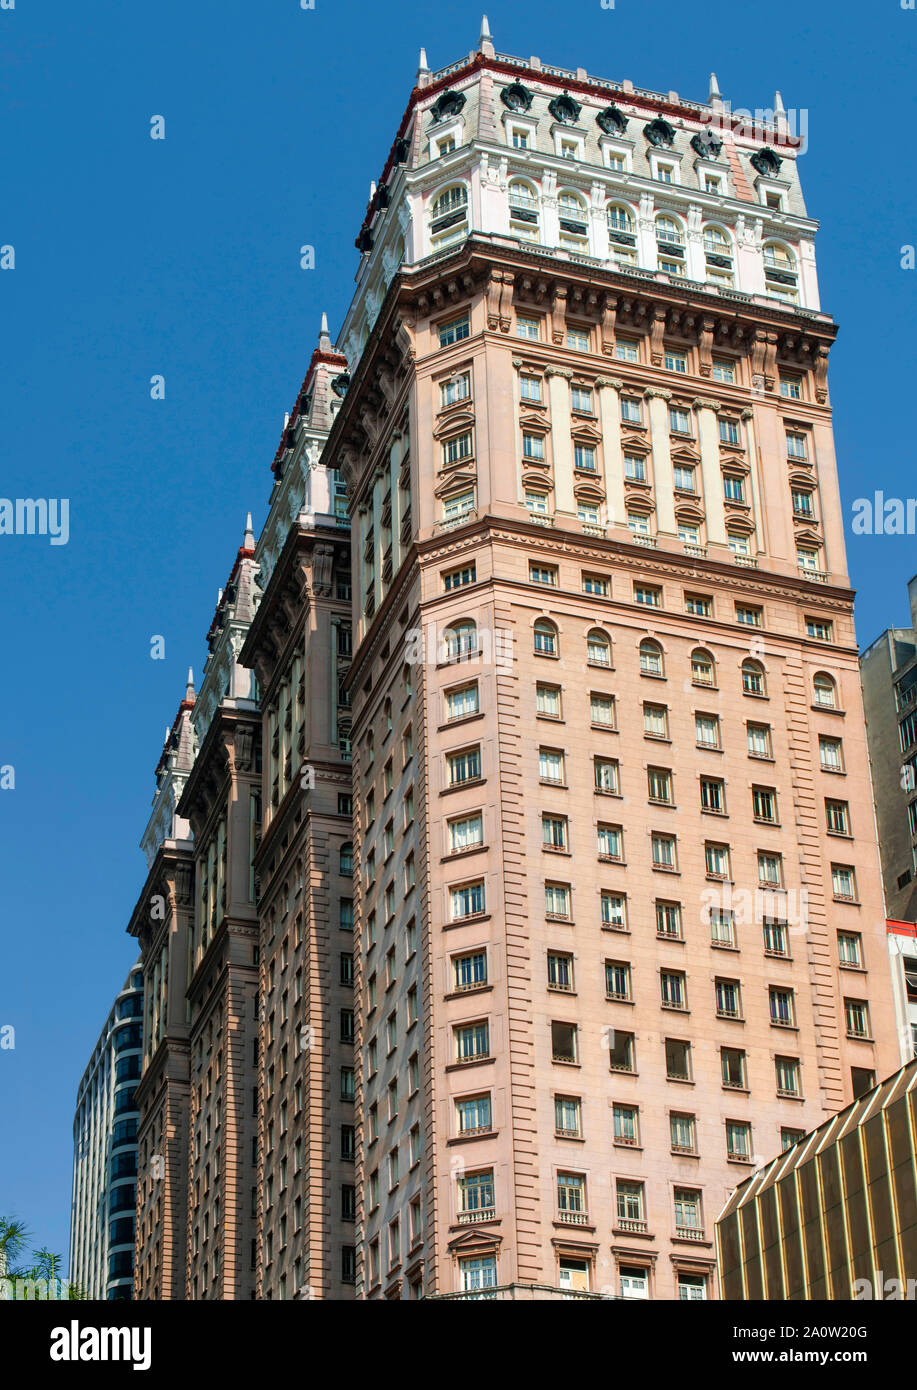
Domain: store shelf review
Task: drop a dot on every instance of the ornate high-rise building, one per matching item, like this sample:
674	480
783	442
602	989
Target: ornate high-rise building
299	645
162	922
618	910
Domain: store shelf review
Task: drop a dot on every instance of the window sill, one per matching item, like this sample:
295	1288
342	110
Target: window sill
464	993
470	1138
605	728
459	719
461	786
463	853
470	920
666	869
472	1062
724	946
556	849
848	965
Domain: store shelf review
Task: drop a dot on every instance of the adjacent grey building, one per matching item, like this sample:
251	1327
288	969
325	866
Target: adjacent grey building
888	670
105	1153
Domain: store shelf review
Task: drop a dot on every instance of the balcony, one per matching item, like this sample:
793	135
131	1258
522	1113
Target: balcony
689	1233
471	1218
816	576
747	562
631	1224
699	551
572	1218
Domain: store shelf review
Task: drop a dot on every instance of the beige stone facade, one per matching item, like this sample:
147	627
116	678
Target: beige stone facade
617	888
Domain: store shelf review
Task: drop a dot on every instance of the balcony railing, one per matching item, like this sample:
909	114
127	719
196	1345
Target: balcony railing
520	1292
573	1218
816	576
470	1218
635	1225
689	1232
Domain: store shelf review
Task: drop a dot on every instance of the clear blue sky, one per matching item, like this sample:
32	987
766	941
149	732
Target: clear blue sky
181	257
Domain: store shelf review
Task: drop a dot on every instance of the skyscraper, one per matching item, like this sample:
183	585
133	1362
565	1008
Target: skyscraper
105	1153
617	898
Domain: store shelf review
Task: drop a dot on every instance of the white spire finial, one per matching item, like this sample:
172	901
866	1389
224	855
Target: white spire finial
485	28
422	65
249	540
324	327
779	108
715	92
189	688
485	42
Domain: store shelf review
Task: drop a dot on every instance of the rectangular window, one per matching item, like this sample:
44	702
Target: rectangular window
560	972
614	911
454	331
631	410
683	478
713	795
578	339
457	389
463	702
617	980
776	940
749	616
729	431
732	1068
626	1127
822	629
459	447
627	350
458	505
683	1133
621	1050
528	328
796	445
663	847
584	458
738	1140
791	388
543	574
673	990
568	1117
655	721
533	446
469	970
707	730
635	468
849	948
675	362
787	1076
648	595
770	870
606	775
466	901
466	833
728	999
838	817
759	741
551	765
668	920
764	804
557	901
677	1059
464	766
734	489
782	1007
457	579
581	400
659	785
610	842
473	1114
548	700
602	710
595	584
723	370
563	1042
679	421
722	928
856	1015
554	832
530	389
472	1040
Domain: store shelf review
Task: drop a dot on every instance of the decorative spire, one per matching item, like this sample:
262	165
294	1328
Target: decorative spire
485	42
189	688
248	542
422	64
324	338
423	77
715	93
372	189
779	108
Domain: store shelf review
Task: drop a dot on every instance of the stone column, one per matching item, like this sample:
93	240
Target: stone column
610	417
561	443
662	460
708	439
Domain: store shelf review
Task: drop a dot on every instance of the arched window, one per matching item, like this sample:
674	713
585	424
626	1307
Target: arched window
778	257
780	278
718	257
523	210
651	663
619	218
460	640
449	215
574	221
703	668
753	678
825	690
598	648
668	231
346	859
545	637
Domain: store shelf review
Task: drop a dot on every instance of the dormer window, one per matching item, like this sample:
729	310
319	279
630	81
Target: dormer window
445	146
